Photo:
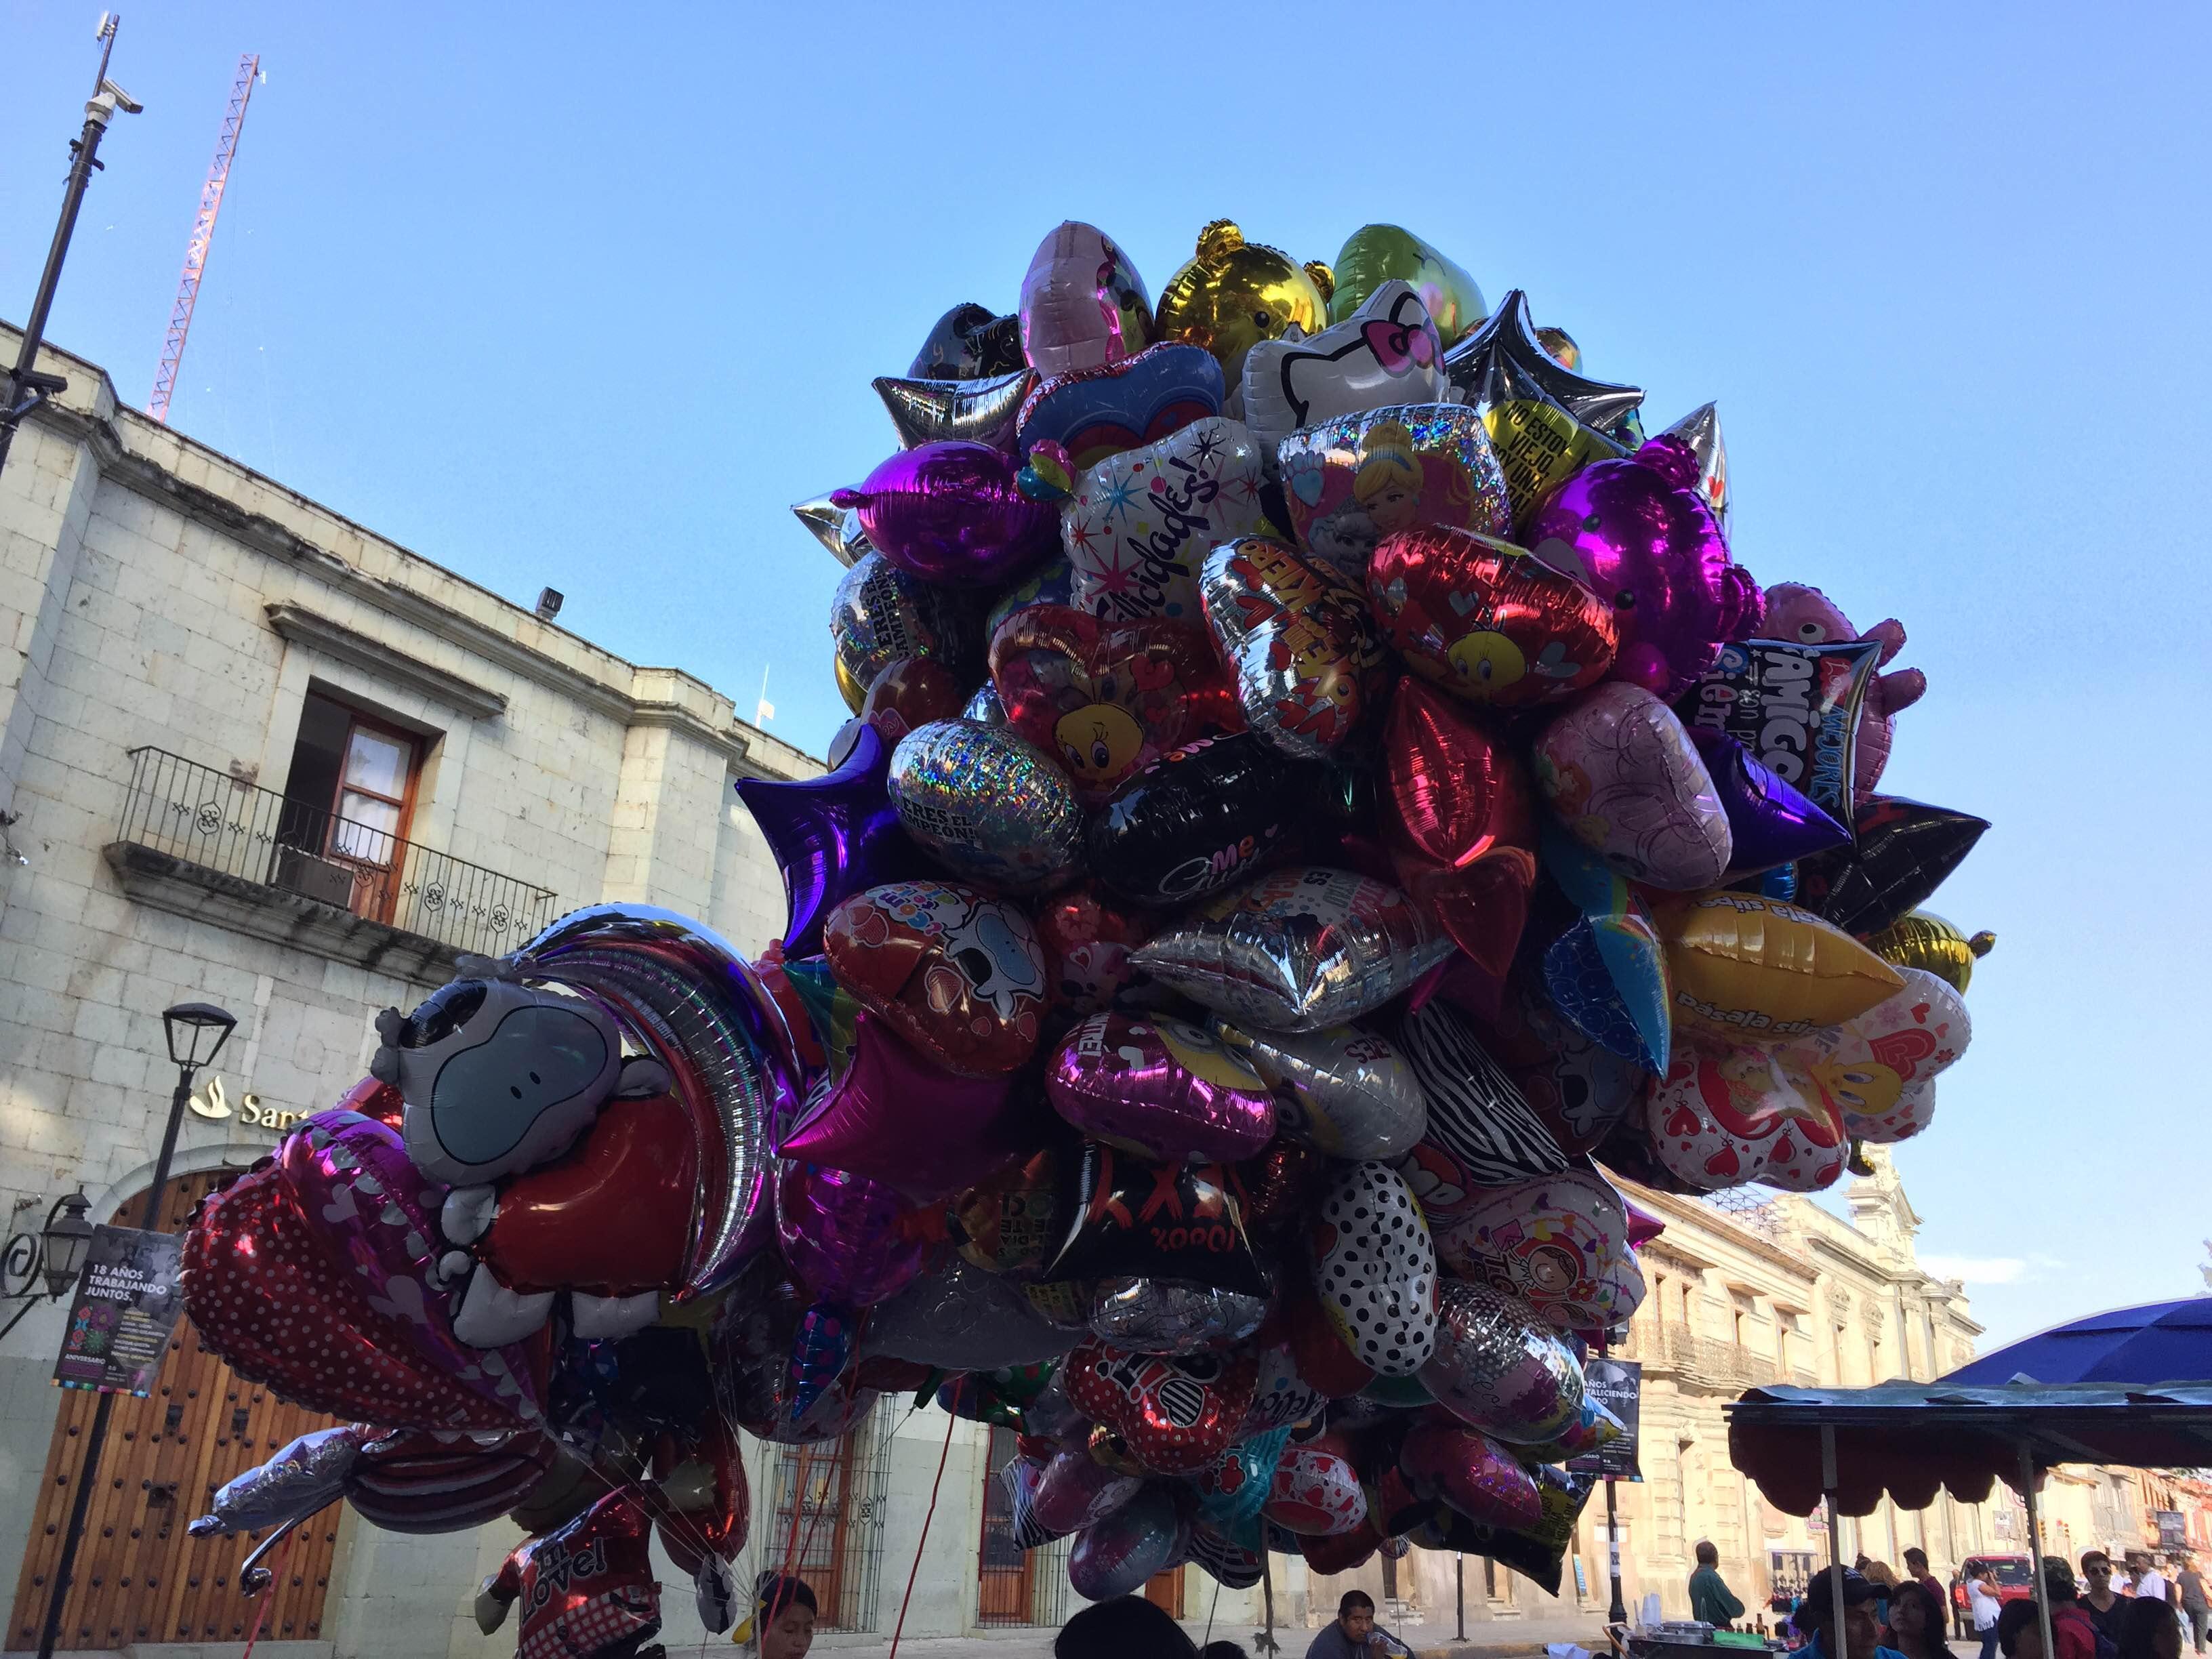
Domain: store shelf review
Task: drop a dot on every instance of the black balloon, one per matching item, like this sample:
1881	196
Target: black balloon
1198	819
969	344
1144	1220
1904	850
1509	334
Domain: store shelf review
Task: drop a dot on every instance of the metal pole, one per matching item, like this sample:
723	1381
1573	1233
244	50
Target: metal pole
1836	1620
1459	1594
26	391
2035	1548
1617	1612
96	1436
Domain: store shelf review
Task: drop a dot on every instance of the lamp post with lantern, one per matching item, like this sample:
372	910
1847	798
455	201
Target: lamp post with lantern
197	1032
54	1253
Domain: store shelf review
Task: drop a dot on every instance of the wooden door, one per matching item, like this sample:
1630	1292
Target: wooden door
812	1493
1164	1589
370	812
1003	1589
140	1577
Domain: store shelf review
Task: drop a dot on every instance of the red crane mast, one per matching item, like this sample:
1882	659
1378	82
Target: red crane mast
196	250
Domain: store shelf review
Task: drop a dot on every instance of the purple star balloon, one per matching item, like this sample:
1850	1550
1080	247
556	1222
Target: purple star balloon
833	836
1770	821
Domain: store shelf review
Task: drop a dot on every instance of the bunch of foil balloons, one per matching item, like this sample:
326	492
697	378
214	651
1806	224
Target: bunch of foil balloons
1321	791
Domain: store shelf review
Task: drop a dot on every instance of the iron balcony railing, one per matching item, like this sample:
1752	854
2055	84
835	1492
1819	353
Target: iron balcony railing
1676	1348
211	819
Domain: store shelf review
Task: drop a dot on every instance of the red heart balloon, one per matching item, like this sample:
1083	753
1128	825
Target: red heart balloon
1481	908
958	974
912	691
1108	699
266	1298
1452	791
1486	620
613	1216
1174	1412
374	1099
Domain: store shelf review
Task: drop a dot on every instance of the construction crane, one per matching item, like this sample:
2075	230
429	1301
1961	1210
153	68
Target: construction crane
196	250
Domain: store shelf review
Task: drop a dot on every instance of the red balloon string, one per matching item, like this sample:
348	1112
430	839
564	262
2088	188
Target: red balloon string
949	1422
261	1604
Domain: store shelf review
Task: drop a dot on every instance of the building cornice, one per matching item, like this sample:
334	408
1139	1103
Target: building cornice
298	625
1692	1215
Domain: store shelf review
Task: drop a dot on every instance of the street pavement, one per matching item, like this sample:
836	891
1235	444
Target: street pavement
1496	1638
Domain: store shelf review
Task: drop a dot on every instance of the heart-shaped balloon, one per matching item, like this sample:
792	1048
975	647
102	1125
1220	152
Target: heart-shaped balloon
958	974
615	1217
1487	621
987	804
1472	1472
1476	1115
1107	699
950	511
1160	1088
1076	1489
881	613
1500	1367
1083	303
1375	1269
1080	417
1452	790
1200	818
1887	1058
1578	1088
265	1296
1297	950
1087	937
1727	1114
1116	1556
1559	1242
1387	351
1344	1091
1138	525
1749	968
911	691
367	1207
851	1241
1175	1413
1128	1218
1480	906
1350	481
1620	773
973	412
1315	1493
1638	534
1307	661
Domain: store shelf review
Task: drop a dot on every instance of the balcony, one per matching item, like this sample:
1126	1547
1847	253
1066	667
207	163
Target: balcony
1695	1361
200	843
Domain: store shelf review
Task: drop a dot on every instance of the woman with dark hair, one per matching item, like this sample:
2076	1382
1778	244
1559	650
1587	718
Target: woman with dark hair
1916	1622
783	1616
2148	1630
2020	1630
1125	1628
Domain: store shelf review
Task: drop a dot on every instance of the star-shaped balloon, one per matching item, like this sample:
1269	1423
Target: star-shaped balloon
978	412
1511	333
837	528
1699	432
832	836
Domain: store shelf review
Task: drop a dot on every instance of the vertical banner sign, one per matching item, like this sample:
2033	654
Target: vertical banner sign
2172	1529
126	1309
1615	1384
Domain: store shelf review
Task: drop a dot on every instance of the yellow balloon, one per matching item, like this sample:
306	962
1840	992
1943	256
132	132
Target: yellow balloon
1561	344
1234	293
1761	970
849	688
1925	939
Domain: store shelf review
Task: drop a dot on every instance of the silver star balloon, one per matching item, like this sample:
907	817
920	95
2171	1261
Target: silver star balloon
1511	333
837	528
977	412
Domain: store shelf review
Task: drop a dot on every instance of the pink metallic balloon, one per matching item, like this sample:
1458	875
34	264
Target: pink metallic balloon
1076	1490
1315	1493
1472	1472
897	1119
851	1240
1622	775
1638	534
1160	1088
949	512
1083	303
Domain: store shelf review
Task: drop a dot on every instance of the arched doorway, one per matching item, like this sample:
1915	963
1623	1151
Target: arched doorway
140	1577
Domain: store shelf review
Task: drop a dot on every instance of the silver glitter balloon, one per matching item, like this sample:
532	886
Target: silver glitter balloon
1499	1366
975	411
987	804
1115	1555
1157	1315
881	613
1344	1092
837	528
963	1319
1298	949
307	1476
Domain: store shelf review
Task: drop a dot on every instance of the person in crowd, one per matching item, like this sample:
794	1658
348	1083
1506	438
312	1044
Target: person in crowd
1223	1651
1916	1567
783	1616
1852	1628
2194	1608
2020	1630
2104	1608
1883	1577
1986	1605
2073	1632
2151	1583
1353	1635
1916	1622
1123	1627
2148	1630
1710	1599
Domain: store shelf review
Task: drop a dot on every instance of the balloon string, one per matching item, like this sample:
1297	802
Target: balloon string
950	1423
261	1604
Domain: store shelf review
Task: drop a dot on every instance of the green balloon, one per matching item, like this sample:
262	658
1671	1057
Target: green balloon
1374	255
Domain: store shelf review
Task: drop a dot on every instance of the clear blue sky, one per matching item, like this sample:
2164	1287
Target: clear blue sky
586	296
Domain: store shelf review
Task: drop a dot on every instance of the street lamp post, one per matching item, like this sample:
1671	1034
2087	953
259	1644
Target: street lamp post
197	1032
54	1253
26	389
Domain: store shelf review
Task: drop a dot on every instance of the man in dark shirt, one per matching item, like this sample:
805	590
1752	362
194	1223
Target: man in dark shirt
1916	1563
1353	1635
2105	1609
1710	1597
